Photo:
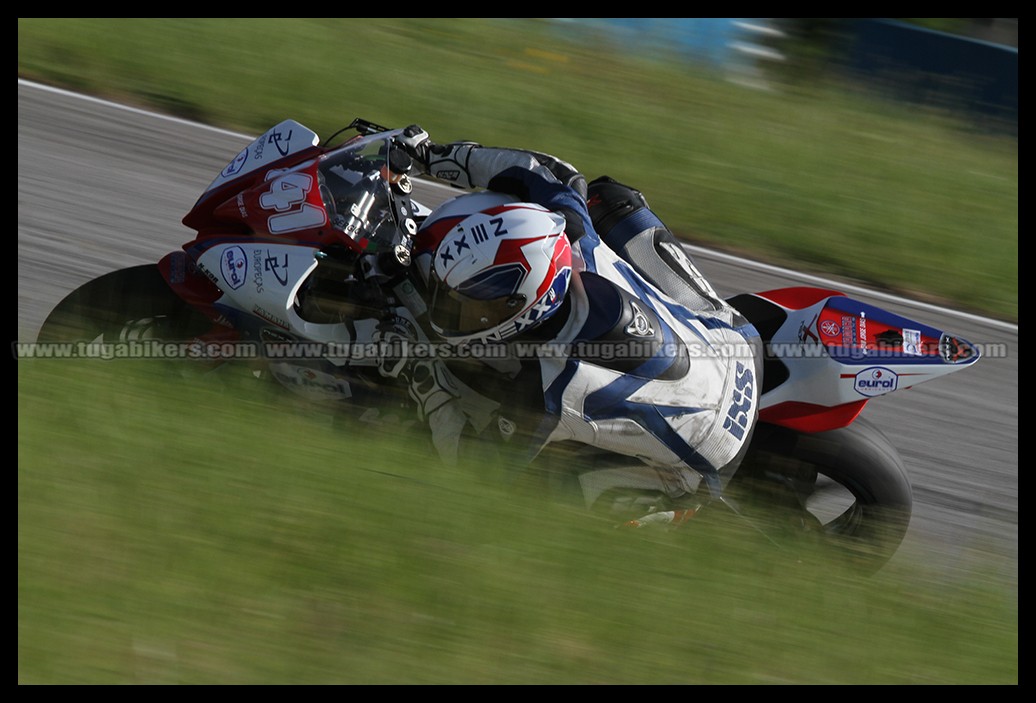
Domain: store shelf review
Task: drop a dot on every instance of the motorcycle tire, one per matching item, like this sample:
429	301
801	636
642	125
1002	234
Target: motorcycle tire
120	304
848	487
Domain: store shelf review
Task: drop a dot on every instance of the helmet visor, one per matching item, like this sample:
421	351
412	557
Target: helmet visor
454	314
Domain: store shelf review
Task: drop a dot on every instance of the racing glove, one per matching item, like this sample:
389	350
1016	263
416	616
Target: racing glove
429	383
392	342
446	162
431	386
471	165
423	150
416	142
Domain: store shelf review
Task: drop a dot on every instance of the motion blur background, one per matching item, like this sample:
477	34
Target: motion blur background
963	64
179	532
883	151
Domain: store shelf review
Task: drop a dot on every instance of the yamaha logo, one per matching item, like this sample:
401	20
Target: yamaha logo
830	328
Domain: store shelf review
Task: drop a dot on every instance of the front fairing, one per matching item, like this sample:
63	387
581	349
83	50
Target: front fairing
280	143
283	214
281	147
285	186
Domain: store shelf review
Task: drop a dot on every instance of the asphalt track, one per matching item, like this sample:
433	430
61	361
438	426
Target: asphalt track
102	186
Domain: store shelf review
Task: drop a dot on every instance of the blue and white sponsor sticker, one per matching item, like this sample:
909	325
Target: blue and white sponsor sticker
235	166
233	265
876	380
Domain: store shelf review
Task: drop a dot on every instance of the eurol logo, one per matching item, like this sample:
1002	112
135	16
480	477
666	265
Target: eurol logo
235	166
876	380
234	266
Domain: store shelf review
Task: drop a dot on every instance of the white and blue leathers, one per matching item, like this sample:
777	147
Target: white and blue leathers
665	372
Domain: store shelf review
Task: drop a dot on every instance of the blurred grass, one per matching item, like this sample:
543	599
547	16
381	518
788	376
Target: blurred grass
817	177
252	543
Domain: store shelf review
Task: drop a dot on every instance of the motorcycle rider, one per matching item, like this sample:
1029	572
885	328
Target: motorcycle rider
595	330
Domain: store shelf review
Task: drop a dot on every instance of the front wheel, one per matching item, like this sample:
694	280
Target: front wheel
847	487
131	303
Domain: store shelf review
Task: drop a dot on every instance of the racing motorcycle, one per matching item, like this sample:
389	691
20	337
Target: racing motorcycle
303	248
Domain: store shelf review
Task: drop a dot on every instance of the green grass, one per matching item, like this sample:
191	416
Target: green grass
820	177
174	531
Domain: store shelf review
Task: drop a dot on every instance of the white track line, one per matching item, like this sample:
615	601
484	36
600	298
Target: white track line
701	251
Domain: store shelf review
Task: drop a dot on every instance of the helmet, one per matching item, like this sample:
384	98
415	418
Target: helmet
499	272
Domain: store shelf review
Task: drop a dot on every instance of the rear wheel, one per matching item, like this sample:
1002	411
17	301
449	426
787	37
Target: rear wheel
846	487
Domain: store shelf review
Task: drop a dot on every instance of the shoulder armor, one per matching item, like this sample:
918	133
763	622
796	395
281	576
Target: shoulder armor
624	334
